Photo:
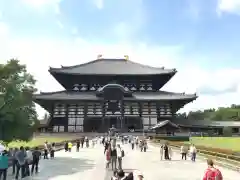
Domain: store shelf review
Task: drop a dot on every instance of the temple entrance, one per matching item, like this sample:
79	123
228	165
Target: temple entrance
112	121
92	124
133	123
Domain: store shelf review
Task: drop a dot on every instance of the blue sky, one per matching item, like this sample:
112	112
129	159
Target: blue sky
198	37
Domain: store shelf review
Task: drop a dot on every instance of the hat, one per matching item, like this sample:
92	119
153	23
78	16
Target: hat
138	173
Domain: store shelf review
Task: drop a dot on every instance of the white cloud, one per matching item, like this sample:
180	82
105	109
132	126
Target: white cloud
99	3
229	6
53	5
40	53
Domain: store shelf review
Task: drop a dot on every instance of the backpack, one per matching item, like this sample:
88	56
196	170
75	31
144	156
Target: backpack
214	174
123	154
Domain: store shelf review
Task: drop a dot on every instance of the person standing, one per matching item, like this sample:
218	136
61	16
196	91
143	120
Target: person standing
52	151
119	156
183	151
70	146
108	157
166	152
78	146
211	172
45	155
21	159
193	152
3	164
170	151
161	151
87	142
133	143
28	161
36	157
114	158
14	160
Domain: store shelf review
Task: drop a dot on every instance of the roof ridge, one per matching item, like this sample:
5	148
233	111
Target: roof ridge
108	59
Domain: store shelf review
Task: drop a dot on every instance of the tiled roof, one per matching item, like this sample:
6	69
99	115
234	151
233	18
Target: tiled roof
206	123
159	95
112	66
164	123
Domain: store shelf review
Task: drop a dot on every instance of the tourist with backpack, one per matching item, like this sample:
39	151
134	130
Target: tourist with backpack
212	173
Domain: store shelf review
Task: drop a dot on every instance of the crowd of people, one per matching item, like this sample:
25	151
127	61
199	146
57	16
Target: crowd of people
24	158
20	159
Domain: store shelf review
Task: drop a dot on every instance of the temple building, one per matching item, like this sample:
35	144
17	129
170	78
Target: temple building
110	92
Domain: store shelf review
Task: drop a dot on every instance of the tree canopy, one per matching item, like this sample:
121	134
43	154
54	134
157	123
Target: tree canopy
17	109
231	113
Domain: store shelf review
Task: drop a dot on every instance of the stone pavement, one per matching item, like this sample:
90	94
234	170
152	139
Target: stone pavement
89	164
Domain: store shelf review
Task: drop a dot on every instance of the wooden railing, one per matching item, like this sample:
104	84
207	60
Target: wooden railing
230	161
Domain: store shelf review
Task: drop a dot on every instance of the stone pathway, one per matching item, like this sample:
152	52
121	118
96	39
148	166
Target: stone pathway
89	164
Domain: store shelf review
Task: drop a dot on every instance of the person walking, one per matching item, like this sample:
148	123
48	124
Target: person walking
36	157
193	152
114	158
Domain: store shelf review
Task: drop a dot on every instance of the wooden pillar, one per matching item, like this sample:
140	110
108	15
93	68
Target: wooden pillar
122	123
66	118
85	106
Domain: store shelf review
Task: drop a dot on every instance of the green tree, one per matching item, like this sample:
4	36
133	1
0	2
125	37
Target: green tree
18	116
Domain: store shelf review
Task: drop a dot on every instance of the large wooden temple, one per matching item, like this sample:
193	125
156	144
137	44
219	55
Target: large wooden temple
110	92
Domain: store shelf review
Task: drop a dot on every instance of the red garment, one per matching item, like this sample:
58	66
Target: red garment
108	155
213	174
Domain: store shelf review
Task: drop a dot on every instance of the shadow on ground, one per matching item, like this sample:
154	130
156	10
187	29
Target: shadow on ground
62	166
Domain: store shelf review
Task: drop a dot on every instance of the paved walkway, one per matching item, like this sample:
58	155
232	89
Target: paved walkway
89	164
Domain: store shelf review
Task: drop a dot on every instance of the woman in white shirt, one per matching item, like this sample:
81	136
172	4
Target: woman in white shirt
193	152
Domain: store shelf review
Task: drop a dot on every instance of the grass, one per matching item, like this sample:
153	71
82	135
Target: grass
37	141
230	143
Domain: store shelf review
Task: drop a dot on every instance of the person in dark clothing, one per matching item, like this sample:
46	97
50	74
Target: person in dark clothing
14	161
121	174
114	158
36	157
78	145
82	142
166	153
66	146
21	159
52	151
129	176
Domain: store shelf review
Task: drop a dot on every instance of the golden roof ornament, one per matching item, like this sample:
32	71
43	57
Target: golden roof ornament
99	56
126	57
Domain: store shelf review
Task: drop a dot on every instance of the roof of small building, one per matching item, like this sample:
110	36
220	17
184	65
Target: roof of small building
206	123
112	66
72	95
164	123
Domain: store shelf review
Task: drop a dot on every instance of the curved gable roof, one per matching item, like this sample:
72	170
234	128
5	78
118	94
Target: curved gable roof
112	66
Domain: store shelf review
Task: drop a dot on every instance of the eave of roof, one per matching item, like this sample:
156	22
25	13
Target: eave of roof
110	67
164	123
145	96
